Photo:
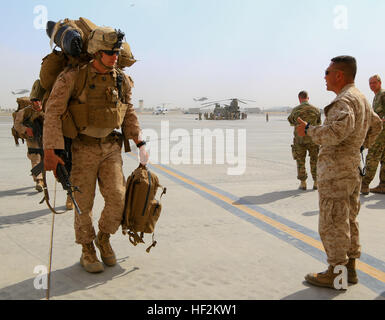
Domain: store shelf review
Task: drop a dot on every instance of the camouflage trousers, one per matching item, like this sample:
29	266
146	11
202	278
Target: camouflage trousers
299	154
376	154
102	163
339	202
34	158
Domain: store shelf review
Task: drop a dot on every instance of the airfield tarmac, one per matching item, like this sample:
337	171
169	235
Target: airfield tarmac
228	237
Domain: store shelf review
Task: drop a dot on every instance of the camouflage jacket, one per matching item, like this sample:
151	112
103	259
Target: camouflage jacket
379	108
308	113
350	123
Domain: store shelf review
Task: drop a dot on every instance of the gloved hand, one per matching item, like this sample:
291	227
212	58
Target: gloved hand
143	155
29	132
51	160
301	127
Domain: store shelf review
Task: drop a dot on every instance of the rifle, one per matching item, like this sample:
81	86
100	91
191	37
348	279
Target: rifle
62	171
62	175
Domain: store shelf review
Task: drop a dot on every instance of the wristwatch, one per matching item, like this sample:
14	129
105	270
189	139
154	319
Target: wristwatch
141	143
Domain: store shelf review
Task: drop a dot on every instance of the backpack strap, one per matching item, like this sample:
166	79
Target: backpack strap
81	80
163	192
153	243
134	238
121	83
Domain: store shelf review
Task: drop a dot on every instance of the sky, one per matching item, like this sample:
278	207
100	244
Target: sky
266	51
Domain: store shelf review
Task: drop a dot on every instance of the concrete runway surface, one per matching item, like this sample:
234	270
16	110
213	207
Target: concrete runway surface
249	236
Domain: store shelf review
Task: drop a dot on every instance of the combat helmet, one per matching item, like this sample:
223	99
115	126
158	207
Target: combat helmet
104	38
37	91
126	58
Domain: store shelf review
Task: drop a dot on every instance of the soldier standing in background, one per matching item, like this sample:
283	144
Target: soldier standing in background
376	152
29	114
349	124
302	145
98	99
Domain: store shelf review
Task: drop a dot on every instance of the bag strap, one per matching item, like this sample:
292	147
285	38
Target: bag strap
134	238
154	242
163	192
81	81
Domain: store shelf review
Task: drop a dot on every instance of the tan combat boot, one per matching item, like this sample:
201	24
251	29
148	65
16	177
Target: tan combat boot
323	279
364	188
102	242
315	185
302	186
89	260
39	185
352	274
379	189
69	203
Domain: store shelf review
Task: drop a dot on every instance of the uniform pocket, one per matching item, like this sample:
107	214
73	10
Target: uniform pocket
106	116
154	213
68	126
79	114
293	152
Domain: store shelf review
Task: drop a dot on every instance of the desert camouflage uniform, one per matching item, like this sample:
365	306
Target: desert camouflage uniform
350	123
93	160
31	142
301	145
376	152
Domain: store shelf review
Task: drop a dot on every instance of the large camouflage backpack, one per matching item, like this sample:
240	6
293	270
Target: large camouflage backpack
37	92
141	210
22	102
126	58
71	36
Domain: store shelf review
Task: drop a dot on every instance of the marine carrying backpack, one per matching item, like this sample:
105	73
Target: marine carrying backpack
141	210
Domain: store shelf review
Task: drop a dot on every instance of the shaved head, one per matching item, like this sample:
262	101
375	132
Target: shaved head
347	64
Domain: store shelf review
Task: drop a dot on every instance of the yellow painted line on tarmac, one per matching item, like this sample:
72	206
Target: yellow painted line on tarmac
373	272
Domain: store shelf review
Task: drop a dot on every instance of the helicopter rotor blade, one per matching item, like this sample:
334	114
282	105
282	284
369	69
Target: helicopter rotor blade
215	101
249	100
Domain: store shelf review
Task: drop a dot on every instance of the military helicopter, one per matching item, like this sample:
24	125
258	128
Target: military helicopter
228	111
200	99
20	91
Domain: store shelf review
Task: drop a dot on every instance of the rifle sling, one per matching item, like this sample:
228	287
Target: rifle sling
46	195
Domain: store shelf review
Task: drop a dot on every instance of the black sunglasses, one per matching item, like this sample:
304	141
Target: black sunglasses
110	52
328	71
